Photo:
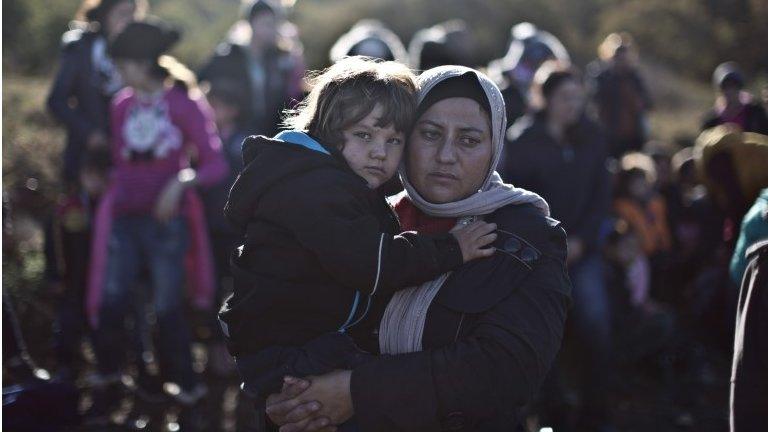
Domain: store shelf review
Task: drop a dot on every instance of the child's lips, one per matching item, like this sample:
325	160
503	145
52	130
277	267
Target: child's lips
375	170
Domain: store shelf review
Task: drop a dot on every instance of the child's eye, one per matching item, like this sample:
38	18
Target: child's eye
365	136
395	141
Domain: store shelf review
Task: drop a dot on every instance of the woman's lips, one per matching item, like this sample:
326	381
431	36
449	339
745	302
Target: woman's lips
443	177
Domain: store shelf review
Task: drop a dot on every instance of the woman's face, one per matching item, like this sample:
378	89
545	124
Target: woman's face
119	17
450	150
264	28
373	152
566	103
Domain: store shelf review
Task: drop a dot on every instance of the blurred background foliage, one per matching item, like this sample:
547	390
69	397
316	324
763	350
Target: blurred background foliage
688	36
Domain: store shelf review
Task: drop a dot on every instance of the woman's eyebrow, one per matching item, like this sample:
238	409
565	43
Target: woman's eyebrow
431	123
472	130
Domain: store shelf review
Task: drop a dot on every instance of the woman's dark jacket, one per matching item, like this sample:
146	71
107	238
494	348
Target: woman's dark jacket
314	235
491	336
230	63
76	99
573	178
755	119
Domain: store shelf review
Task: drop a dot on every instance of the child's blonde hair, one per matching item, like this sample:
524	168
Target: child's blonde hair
348	91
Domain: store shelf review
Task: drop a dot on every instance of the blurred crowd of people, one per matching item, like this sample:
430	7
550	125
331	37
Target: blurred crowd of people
654	251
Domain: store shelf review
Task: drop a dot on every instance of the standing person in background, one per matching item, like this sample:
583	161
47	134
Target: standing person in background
559	153
447	43
269	73
88	77
228	103
529	48
620	94
150	216
67	250
733	104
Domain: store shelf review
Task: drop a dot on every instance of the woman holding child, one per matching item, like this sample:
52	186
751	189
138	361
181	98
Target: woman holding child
466	350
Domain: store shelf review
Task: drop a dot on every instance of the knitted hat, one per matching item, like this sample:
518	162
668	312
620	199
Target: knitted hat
144	40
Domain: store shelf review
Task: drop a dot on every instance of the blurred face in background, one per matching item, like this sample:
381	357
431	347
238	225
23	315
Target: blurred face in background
135	73
731	91
225	114
119	17
93	181
264	29
449	150
566	103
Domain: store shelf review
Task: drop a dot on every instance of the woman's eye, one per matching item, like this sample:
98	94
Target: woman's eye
469	141
430	134
363	135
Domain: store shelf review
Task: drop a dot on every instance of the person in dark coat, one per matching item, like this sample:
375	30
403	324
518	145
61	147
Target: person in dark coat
734	105
88	77
749	373
319	236
474	345
560	153
269	74
620	95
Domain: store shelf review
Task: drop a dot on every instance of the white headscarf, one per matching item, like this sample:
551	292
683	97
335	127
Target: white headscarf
493	193
402	326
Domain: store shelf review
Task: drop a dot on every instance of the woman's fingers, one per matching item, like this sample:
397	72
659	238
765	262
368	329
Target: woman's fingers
309	425
303	411
320	424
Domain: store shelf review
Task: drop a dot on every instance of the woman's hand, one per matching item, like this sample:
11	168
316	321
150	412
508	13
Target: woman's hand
327	401
473	239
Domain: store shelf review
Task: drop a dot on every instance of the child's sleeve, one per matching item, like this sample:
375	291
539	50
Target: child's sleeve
200	130
345	236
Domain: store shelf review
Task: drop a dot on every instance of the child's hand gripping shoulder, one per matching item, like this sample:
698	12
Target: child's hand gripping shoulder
473	239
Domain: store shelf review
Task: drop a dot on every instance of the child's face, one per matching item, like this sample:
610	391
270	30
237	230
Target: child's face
371	151
134	72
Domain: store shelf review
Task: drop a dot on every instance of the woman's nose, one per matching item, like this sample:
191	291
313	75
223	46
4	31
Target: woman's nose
446	153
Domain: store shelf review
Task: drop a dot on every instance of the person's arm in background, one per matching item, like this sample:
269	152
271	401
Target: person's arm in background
198	127
586	235
63	89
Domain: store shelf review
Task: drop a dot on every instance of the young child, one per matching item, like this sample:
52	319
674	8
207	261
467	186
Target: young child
68	243
157	121
320	239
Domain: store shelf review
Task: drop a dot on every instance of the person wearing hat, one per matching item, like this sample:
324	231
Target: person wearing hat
469	349
150	217
620	94
267	70
369	38
88	76
733	104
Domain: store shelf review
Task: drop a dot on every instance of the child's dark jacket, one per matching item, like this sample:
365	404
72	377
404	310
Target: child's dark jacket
315	235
